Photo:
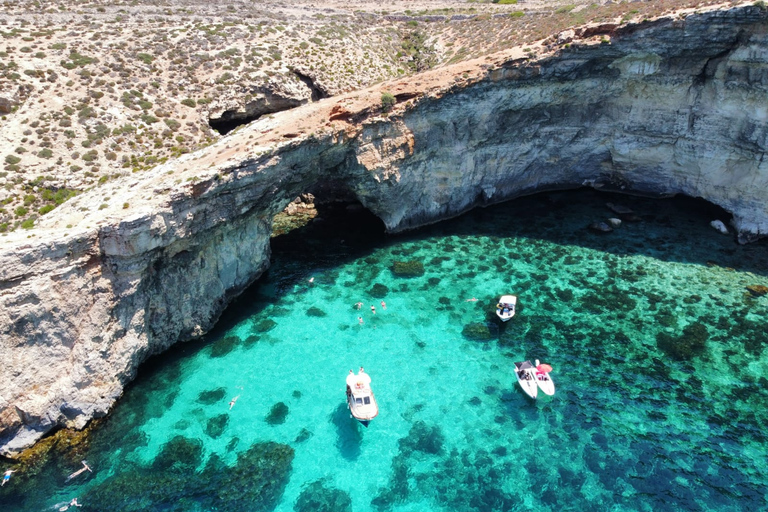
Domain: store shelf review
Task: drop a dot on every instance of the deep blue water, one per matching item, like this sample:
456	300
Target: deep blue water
658	352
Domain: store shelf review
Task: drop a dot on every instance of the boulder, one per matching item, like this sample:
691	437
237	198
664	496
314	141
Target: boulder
758	290
6	105
600	227
566	36
619	209
614	222
719	226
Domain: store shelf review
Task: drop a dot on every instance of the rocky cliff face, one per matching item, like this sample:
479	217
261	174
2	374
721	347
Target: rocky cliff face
664	107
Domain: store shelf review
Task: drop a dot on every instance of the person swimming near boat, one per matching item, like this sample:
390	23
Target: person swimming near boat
72	503
232	402
7	476
373	309
471	300
358	305
360	320
383	305
80	471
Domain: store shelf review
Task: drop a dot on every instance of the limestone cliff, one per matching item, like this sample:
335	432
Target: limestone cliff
663	107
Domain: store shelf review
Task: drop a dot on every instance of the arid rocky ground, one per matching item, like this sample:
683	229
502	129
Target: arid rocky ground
94	91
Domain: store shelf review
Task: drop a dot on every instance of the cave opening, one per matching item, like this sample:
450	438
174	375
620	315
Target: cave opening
269	102
230	120
316	90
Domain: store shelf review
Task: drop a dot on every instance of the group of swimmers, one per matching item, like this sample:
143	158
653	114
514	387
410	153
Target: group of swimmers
60	507
359	305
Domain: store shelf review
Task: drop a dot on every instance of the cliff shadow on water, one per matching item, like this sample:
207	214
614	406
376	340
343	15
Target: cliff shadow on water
661	228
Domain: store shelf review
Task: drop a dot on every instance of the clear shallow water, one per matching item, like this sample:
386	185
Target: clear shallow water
658	353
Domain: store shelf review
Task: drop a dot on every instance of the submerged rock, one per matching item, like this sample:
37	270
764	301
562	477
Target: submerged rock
408	268
211	396
686	346
179	454
316	312
619	209
600	227
423	438
378	290
216	425
277	414
316	497
255	482
224	346
758	290
478	331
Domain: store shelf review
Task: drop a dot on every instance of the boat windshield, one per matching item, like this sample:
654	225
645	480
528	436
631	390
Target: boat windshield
367	400
358	401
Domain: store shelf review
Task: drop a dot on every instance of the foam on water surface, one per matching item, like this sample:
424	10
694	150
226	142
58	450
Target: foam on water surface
658	353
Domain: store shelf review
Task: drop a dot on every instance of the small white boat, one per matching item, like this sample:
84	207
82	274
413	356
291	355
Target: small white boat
505	309
526	377
544	379
360	400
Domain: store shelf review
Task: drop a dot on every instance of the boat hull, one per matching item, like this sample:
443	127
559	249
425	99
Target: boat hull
362	413
510	303
529	387
526	378
545	384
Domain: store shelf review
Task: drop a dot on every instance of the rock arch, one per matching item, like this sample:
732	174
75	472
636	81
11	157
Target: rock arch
666	107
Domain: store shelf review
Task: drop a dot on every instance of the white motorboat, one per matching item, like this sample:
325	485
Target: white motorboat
505	309
544	378
360	400
526	377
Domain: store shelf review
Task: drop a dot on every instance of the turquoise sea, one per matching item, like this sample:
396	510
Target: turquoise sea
658	350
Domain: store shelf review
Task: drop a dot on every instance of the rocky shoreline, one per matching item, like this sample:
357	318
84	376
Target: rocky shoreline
672	106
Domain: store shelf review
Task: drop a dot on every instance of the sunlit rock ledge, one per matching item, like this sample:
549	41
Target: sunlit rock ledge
675	105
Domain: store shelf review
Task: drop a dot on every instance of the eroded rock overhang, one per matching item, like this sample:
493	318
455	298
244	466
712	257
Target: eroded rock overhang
665	107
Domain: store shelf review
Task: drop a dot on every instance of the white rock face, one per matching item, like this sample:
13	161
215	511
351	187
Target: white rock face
667	107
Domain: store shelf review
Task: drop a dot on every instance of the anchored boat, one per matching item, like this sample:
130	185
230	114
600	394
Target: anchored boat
526	377
360	399
544	379
505	309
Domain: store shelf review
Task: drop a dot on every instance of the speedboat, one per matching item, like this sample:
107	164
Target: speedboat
360	400
505	309
544	379
526	377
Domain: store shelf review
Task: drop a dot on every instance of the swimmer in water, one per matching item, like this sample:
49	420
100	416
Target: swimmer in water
7	476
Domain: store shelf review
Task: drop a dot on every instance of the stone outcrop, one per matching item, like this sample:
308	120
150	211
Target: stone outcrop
671	106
